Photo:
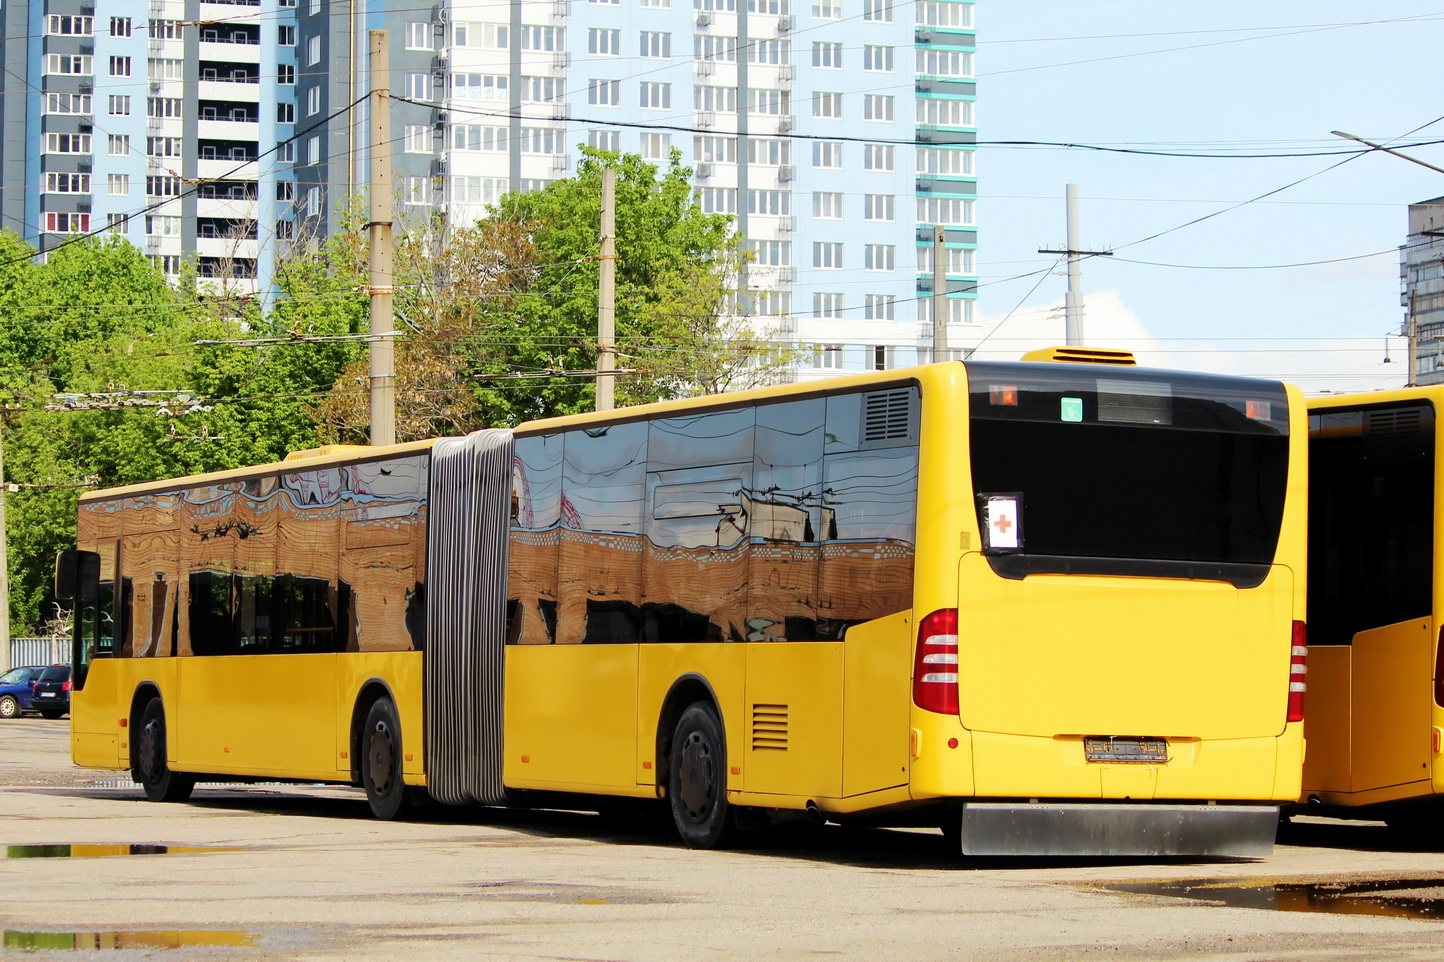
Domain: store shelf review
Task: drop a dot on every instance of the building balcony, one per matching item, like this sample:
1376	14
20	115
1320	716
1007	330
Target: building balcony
225	247
229	130
230	52
222	169
227	209
228	90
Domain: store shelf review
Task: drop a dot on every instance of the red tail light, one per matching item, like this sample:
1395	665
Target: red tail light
1297	671
66	686
935	672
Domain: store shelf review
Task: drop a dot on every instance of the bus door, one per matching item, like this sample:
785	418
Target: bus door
1371	485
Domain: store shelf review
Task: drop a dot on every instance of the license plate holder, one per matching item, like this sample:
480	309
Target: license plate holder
1135	750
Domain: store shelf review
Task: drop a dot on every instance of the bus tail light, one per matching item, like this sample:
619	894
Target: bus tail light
1439	670
935	673
1297	671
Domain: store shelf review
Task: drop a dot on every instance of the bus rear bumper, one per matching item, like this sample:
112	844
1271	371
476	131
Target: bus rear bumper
1084	828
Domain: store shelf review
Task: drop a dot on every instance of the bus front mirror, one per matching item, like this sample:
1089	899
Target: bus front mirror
77	577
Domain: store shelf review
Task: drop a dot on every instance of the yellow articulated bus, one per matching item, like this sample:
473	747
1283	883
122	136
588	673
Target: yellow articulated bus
1051	607
1376	678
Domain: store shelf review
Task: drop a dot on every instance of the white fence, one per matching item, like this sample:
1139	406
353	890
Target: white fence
39	651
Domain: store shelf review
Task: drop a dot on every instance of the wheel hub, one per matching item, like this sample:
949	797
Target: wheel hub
382	757
698	776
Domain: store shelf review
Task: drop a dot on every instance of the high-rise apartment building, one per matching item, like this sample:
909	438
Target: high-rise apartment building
838	133
1422	277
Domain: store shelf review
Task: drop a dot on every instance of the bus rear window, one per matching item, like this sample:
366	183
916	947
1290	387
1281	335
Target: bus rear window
1129	471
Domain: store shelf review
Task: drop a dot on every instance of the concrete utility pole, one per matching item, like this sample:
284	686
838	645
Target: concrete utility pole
940	295
4	572
607	296
1073	300
383	347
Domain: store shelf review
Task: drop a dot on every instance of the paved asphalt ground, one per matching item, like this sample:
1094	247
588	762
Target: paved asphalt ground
306	874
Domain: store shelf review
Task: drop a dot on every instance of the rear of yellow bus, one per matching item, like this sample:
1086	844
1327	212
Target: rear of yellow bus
1110	605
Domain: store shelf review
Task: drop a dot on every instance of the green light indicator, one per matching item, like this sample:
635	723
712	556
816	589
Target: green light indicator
1072	409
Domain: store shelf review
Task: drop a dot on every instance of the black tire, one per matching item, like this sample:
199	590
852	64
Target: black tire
9	707
52	715
148	759
381	756
697	779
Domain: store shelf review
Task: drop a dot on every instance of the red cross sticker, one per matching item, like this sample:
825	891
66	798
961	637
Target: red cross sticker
1003	522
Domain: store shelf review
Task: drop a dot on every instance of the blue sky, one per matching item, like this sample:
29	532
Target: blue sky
1221	78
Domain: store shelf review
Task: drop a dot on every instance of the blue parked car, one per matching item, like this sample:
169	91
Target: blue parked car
17	691
52	691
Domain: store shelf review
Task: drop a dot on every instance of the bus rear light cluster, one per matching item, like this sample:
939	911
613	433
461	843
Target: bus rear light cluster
935	673
1297	672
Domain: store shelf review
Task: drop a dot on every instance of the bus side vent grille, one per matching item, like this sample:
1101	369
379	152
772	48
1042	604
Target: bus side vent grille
1397	436
769	728
889	416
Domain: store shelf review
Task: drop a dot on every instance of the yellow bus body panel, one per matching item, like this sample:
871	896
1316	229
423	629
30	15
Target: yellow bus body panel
97	739
722	668
792	742
570	715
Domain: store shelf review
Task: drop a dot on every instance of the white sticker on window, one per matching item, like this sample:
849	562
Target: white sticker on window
1002	520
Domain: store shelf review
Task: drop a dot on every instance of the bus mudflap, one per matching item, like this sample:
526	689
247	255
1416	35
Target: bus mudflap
1085	828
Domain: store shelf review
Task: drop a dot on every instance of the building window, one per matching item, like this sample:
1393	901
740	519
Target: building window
717	150
286	35
827	255
879	257
61	222
543	90
827	153
418	86
655	45
75	104
417	192
769	151
119	105
656	146
827	205
68	64
164	107
162	226
879	11
827	105
479	86
769	203
945	161
157	186
877	58
285	113
120	27
285	190
826	304
945	210
165	29
943	13
945	113
420	36
313	101
604	93
772	303
827	55
313	151
719	49
159	69
656	96
772	52
828	357
163	146
59	182
604	139
955	260
285	74
418	138
771	253
944	63
879	207
717	200
877	107
604	42
878	156
543	39
286	152
772	102
827	9
61	25
116	221
119	145
880	307
712	97
285	230
656	4
68	143
313	51
478	137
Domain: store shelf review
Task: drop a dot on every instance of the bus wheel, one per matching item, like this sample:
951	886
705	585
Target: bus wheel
9	707
697	779
150	770
381	761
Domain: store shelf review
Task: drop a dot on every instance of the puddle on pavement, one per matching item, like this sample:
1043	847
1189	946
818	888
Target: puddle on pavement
139	939
1398	898
104	851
